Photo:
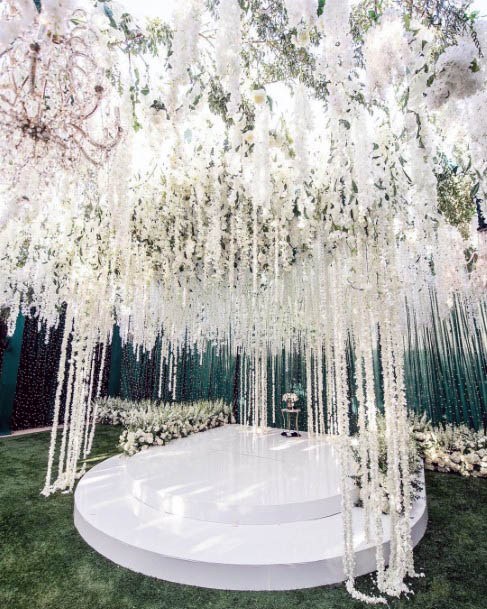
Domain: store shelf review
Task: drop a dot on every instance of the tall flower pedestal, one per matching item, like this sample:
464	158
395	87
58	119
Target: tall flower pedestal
290	413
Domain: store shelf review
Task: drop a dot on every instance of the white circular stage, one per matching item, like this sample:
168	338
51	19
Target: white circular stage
228	509
237	476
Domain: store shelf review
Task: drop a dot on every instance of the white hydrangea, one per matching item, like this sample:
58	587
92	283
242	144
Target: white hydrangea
459	74
387	53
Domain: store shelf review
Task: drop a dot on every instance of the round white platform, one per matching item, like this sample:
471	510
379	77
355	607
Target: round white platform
238	476
230	474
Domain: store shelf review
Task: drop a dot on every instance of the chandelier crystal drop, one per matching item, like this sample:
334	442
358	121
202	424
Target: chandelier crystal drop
56	102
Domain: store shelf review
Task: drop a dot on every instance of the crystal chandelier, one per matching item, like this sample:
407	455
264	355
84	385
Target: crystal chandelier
55	103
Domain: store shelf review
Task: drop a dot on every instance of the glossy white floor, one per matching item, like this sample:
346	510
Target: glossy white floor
227	508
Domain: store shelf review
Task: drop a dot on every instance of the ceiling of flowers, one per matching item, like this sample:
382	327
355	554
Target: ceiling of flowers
256	173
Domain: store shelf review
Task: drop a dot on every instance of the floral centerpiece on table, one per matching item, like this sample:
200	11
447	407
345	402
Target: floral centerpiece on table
290	398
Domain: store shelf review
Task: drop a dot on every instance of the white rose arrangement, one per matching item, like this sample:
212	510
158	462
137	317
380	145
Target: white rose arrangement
290	397
451	448
148	423
448	448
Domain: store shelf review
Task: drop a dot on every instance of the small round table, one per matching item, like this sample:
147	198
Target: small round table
289	413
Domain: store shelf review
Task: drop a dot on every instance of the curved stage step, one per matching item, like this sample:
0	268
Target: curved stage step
223	555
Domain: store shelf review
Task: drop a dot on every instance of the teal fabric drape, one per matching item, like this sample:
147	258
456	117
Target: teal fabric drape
445	372
446	367
8	377
196	376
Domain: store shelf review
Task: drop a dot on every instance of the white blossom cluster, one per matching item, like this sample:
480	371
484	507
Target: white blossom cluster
153	424
451	448
118	411
15	19
459	73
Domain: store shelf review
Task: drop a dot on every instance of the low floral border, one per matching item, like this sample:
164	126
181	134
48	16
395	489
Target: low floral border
451	448
447	448
149	423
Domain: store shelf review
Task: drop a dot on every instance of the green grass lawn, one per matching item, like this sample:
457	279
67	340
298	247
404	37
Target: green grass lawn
44	564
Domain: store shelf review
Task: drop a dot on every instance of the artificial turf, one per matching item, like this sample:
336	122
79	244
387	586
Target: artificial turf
44	563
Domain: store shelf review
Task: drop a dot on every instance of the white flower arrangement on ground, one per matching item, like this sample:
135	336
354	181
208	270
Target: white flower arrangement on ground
150	423
451	448
117	411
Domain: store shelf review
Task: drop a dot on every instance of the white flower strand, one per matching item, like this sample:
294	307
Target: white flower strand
57	403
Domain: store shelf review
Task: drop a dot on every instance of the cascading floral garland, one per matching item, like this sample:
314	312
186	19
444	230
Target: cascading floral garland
225	217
